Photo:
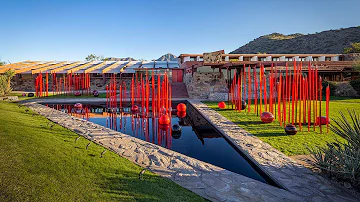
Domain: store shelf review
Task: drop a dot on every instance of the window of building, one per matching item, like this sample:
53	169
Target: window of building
289	59
246	58
275	59
302	59
262	59
315	59
192	59
327	58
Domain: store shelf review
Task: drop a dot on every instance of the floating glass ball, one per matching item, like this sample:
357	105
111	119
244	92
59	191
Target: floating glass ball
290	129
181	107
164	126
164	119
221	105
267	117
78	106
95	93
134	109
77	93
181	114
176	128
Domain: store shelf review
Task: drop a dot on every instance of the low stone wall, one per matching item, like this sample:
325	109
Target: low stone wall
26	83
213	87
201	84
345	89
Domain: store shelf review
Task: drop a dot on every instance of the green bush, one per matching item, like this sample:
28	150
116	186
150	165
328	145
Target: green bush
342	160
356	85
332	86
355	48
5	87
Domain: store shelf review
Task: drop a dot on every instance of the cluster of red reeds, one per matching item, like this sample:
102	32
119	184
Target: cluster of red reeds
160	93
291	96
143	87
65	85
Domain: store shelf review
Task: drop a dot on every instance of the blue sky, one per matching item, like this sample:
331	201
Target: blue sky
145	29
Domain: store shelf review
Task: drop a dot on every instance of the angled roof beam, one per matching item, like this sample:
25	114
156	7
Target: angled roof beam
35	66
73	70
23	65
115	64
42	69
17	65
125	66
65	67
89	70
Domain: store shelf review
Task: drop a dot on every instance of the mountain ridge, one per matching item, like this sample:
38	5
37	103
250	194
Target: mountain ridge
329	41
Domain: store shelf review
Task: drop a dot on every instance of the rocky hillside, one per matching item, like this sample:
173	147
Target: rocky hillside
167	57
331	41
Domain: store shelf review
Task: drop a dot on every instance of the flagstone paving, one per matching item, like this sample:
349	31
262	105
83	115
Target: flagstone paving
207	180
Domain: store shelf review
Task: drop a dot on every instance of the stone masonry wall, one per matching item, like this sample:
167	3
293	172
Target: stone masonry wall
202	84
26	83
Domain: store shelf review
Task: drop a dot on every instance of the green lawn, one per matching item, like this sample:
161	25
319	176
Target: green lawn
42	164
274	134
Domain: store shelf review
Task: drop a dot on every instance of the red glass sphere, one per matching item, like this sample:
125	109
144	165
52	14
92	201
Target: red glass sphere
221	105
267	117
181	114
77	93
164	119
134	108
164	126
322	120
181	107
290	129
78	106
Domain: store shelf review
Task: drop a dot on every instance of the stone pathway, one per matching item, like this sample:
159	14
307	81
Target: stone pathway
209	181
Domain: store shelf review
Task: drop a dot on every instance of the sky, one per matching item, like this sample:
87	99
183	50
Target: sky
70	30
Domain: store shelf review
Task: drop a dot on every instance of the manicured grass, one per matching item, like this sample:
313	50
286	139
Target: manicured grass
42	164
274	134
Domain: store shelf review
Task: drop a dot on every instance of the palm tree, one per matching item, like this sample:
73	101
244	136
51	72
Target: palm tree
9	75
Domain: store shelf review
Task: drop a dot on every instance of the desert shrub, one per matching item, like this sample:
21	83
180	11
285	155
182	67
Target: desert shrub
338	159
354	48
356	85
332	86
5	87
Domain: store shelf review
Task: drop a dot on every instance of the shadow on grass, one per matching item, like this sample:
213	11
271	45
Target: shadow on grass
248	122
127	185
